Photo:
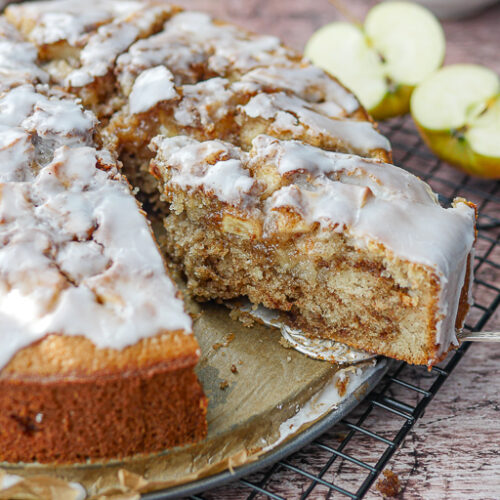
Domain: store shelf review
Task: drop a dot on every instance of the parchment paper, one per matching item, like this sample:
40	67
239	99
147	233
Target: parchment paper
253	383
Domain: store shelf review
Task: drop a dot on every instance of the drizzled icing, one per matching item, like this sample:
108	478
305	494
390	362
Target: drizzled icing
68	262
291	158
17	154
103	30
153	85
102	48
231	49
225	178
214	66
184	57
69	265
218	100
17	61
204	103
373	202
292	114
57	119
70	21
193	45
307	82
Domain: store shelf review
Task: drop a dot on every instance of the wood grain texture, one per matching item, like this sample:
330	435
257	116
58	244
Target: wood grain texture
454	450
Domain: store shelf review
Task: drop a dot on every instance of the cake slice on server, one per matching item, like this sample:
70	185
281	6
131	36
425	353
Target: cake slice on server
351	249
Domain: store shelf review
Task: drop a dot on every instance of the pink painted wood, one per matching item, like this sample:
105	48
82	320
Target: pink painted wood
454	450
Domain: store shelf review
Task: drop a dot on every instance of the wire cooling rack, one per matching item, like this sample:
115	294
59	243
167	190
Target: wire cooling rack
346	461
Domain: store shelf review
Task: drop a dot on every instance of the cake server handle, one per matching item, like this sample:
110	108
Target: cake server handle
479	336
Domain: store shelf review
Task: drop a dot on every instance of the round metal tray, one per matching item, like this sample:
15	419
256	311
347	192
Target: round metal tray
290	446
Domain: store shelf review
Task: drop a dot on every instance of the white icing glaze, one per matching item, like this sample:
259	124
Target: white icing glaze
17	105
62	120
58	119
70	20
105	30
100	52
204	103
8	31
292	114
232	49
17	59
181	55
226	178
76	255
374	203
16	155
192	45
18	64
151	87
53	27
78	258
291	158
309	83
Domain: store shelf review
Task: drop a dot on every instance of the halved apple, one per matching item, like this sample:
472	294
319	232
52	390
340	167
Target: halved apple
400	45
457	111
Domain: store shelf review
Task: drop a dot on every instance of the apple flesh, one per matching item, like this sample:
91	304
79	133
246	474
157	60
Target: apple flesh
399	45
457	111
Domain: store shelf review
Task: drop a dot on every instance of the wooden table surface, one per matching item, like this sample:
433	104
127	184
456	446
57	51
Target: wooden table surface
454	450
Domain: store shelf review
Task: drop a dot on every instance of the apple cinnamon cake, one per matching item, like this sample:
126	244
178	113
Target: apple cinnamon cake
272	181
353	249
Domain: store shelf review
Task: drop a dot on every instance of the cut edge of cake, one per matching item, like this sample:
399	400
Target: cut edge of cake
353	249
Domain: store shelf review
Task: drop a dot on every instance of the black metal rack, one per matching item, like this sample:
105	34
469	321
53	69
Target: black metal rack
344	470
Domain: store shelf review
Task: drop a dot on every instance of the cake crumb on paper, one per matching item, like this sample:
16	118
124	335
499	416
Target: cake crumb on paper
389	485
226	342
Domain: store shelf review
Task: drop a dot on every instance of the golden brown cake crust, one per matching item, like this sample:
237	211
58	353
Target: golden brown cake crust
78	357
77	419
63	399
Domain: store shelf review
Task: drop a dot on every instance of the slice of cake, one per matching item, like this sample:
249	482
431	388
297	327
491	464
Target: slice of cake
352	249
97	354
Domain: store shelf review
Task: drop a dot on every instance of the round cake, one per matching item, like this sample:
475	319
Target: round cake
272	182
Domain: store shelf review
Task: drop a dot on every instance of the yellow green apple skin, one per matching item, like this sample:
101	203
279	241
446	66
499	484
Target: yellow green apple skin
395	103
397	47
457	112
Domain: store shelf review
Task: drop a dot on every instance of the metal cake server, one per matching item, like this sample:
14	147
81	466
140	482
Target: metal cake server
479	336
324	349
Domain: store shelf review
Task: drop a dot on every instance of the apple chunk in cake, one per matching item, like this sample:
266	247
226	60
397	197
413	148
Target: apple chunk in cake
352	249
